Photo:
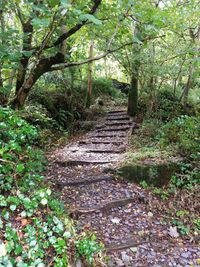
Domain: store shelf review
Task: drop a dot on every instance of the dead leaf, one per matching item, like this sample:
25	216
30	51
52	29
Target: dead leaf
150	214
24	222
173	232
115	220
133	249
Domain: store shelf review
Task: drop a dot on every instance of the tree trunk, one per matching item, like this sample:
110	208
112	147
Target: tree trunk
133	92
187	86
3	97
195	40
42	67
89	92
27	39
133	96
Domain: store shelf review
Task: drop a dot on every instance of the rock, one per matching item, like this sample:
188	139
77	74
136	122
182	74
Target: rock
119	263
126	259
123	87
152	172
185	255
134	249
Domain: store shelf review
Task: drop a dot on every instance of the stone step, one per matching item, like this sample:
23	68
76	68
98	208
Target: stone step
105	150
104	207
123	244
118	122
99	142
84	181
96	148
109	134
118	114
83	162
118	117
119	128
117	111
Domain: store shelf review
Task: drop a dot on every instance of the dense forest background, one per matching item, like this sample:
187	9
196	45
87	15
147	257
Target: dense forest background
63	63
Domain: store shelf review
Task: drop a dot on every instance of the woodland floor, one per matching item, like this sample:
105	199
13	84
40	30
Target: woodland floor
129	220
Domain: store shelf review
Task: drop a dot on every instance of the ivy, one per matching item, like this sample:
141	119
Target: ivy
32	223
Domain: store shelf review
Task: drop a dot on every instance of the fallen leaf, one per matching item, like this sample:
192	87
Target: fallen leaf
150	214
126	259
115	220
140	233
173	231
24	222
133	249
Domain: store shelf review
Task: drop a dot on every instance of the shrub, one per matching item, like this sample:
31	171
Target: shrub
34	228
63	102
164	106
103	87
184	132
31	224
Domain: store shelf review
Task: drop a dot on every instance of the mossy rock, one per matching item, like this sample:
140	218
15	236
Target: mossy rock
154	174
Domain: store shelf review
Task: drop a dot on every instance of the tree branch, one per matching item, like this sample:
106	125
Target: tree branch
71	64
77	27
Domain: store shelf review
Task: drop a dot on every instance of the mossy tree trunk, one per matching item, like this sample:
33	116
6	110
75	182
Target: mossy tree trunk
133	92
89	92
3	97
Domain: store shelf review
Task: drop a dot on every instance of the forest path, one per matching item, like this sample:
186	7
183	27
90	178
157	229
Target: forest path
125	217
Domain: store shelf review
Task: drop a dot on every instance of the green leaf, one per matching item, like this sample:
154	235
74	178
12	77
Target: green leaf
53	3
13	207
90	18
44	201
20	167
27	53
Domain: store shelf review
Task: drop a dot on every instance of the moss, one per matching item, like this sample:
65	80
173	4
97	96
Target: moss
156	174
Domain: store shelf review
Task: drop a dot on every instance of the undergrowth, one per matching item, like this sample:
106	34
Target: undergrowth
161	138
35	229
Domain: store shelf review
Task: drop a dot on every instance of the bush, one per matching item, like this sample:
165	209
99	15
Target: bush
104	87
184	132
63	102
164	106
169	106
34	228
31	224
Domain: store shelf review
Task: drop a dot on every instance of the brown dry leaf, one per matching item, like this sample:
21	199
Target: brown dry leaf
24	222
19	258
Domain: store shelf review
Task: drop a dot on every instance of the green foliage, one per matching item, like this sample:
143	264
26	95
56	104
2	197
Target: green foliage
164	106
183	132
33	225
144	184
66	100
87	247
183	229
39	116
169	105
64	103
103	87
189	175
